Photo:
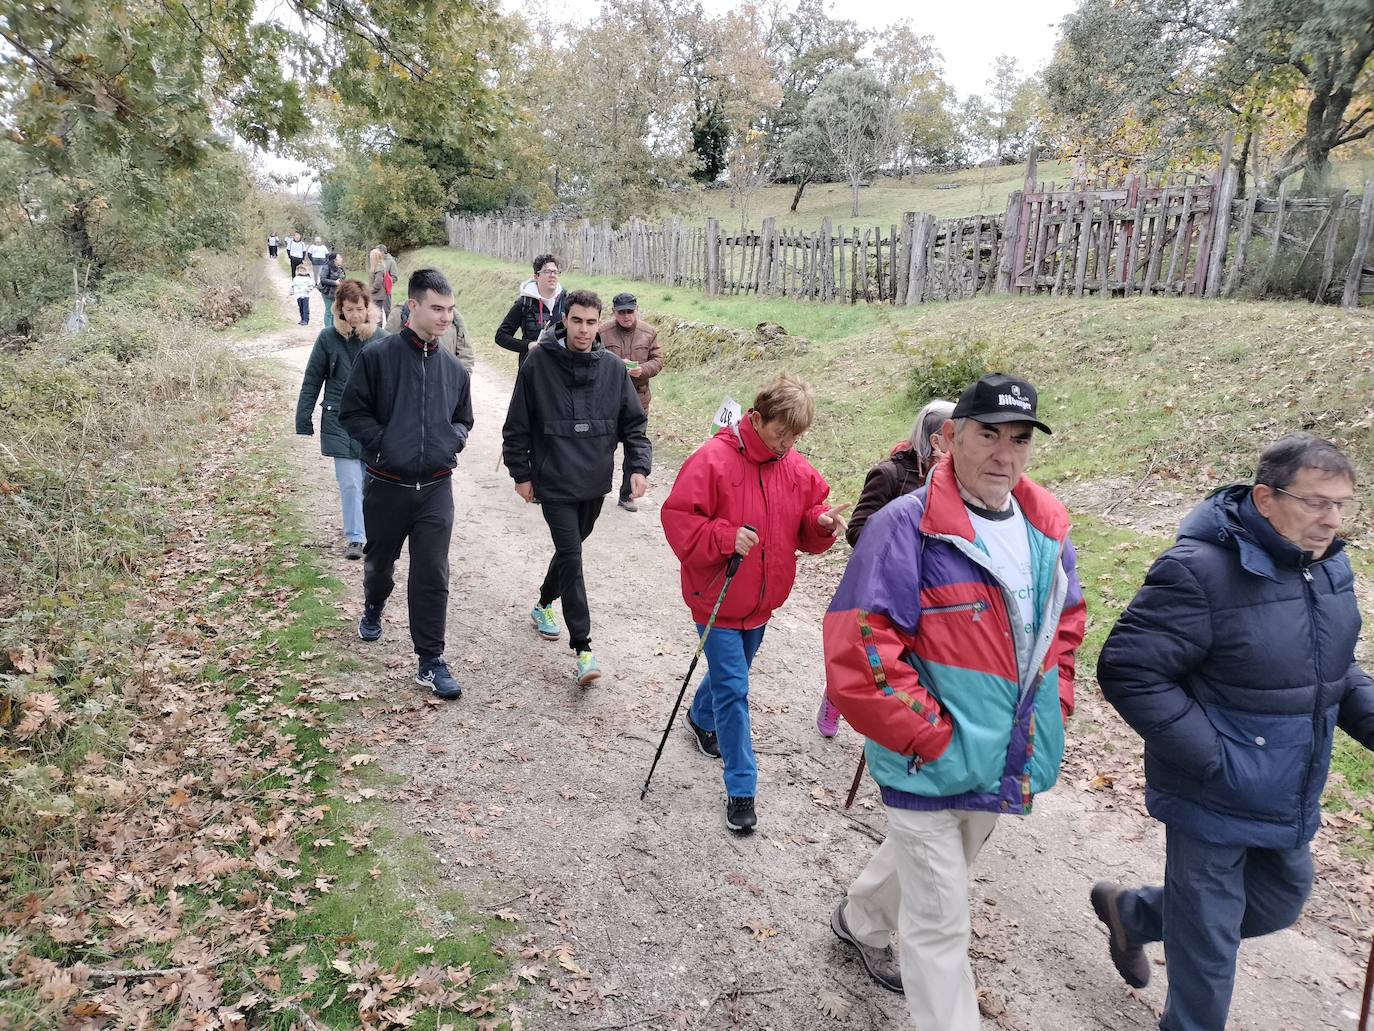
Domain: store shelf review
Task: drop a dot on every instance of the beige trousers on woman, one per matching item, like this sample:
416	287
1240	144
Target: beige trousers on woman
916	884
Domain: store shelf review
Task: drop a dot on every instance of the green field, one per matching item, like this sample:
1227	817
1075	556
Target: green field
945	195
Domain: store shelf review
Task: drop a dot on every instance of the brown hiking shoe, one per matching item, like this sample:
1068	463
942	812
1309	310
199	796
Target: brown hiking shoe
1130	959
881	964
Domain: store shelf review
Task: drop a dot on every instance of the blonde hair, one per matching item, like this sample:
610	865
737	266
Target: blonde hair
788	400
374	259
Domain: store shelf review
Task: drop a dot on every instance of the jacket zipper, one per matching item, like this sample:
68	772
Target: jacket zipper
763	553
424	402
1308	594
976	607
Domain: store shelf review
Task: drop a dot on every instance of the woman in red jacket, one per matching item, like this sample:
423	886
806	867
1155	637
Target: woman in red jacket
745	476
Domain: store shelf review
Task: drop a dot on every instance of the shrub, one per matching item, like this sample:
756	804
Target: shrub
945	368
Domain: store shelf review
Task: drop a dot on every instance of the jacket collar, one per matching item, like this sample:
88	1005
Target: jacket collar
945	514
414	340
1228	517
747	441
529	288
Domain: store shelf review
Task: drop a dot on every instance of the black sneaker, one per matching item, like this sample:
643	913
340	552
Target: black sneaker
354	550
740	815
707	743
628	505
370	625
1128	957
434	674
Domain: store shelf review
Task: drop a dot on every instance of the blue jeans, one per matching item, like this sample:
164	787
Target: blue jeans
1213	896
349	473
328	312
722	703
303	303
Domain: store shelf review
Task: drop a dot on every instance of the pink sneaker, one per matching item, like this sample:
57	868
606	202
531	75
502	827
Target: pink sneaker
828	718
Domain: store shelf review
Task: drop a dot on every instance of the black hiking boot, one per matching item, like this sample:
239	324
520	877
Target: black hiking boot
370	625
434	674
881	964
739	814
1129	958
707	743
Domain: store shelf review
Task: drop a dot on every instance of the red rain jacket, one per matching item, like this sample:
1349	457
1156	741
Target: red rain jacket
731	480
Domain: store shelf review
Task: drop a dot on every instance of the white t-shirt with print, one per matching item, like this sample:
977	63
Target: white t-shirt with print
318	252
1007	543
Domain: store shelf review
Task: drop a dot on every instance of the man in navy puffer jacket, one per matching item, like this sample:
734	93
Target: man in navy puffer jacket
1235	663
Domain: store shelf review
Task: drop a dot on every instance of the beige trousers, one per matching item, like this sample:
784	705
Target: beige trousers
916	884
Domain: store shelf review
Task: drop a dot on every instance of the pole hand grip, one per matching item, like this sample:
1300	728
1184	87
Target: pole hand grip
732	567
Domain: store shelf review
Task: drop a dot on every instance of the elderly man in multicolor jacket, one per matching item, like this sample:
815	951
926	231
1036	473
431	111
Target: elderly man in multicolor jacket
950	647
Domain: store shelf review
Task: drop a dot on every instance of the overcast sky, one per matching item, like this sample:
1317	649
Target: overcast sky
969	33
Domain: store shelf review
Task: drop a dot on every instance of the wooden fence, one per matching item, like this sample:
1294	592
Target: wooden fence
1175	236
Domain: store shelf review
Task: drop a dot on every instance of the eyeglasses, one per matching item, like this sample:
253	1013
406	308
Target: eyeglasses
1346	508
548	271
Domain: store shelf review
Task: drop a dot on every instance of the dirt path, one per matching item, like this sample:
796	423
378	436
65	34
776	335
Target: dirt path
529	788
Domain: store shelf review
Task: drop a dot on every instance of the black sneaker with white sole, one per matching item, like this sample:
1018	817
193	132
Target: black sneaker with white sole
707	743
434	674
370	625
739	814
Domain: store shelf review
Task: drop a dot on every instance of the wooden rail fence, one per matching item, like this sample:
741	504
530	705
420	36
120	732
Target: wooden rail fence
1168	236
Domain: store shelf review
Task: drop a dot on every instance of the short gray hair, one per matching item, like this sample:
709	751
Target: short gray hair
1281	461
928	422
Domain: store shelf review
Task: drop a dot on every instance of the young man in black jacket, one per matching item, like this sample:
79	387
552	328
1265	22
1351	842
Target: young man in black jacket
572	404
408	403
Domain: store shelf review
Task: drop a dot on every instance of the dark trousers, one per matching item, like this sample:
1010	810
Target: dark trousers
625	464
295	262
570	523
303	303
391	513
271	250
1213	896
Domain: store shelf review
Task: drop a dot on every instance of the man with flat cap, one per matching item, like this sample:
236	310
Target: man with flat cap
634	342
950	646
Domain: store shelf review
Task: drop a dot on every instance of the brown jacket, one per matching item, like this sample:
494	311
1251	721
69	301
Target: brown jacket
637	345
897	475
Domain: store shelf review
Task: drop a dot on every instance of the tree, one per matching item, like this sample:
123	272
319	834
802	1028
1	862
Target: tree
852	114
806	159
1178	74
926	130
1002	123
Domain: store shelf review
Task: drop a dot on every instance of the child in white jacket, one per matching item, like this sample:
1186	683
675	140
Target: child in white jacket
302	285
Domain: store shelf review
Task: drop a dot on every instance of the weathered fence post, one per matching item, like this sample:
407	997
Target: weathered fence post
1276	240
1334	214
712	257
1350	298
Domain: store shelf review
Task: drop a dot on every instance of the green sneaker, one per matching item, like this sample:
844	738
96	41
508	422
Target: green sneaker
588	672
542	618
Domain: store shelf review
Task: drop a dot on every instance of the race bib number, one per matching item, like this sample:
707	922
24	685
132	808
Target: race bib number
728	414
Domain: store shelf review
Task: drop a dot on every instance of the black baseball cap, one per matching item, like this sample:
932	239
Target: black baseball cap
624	302
998	398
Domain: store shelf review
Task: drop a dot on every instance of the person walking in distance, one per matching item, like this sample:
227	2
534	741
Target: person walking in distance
634	342
905	469
950	646
541	303
331	360
746	491
272	246
393	274
318	254
302	286
571	405
330	279
376	280
1235	663
408	404
295	252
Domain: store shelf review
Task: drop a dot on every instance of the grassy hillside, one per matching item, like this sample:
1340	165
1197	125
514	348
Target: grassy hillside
947	195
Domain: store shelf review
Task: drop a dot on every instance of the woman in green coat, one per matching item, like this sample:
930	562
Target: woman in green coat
331	360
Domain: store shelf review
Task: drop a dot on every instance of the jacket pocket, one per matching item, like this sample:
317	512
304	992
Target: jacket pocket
1264	760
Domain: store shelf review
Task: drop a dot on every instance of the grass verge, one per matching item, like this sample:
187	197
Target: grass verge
189	836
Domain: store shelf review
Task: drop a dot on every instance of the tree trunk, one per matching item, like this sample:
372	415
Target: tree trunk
1243	162
854	198
796	197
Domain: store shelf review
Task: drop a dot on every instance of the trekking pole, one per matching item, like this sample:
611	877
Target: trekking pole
858	777
1368	989
731	568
